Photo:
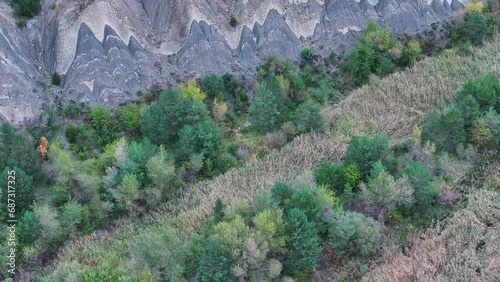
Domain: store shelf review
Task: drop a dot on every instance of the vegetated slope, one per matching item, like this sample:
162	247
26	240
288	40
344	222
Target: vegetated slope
466	249
393	105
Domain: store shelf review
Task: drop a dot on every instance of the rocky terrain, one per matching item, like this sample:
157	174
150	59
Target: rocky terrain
107	51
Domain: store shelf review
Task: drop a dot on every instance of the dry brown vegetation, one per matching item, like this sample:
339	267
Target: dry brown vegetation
467	248
393	105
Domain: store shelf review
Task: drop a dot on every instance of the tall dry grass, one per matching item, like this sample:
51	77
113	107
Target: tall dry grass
393	105
466	249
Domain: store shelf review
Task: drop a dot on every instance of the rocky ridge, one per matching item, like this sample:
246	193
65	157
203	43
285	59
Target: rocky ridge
107	51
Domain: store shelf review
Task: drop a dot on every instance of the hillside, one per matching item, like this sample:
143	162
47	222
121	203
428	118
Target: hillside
107	52
394	105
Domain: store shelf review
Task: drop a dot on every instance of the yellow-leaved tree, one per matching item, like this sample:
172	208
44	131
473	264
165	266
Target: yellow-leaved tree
191	91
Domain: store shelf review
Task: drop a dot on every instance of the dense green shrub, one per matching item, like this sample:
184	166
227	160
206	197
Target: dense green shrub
365	151
27	9
15	178
163	121
308	116
281	193
304	244
361	62
306	201
420	178
204	138
412	52
331	175
16	151
214	264
307	54
354	234
264	113
104	273
233	21
476	27
28	228
129	119
446	131
56	79
158	250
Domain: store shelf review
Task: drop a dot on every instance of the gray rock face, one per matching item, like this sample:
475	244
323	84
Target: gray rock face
108	72
112	49
20	97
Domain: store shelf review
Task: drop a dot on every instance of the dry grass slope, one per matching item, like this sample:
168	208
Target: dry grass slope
393	105
467	249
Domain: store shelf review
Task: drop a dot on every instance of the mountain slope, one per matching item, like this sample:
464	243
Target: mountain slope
393	104
108	50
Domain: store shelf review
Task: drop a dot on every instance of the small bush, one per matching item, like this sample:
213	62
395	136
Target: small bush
27	9
476	27
464	48
307	54
331	175
364	152
308	116
477	7
233	21
56	79
353	234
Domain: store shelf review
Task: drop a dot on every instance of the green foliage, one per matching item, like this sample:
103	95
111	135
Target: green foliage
218	211
28	228
446	131
412	52
263	201
352	175
100	118
50	226
306	201
161	171
353	234
361	62
104	273
127	193
386	65
233	21
372	26
307	54
190	91
14	178
157	250
303	244
137	159
486	92
214	87
264	113
476	27
71	215
204	138
16	151
364	152
382	194
27	9
129	119
331	175
163	121
281	193
308	116
420	178
103	123
271	225
214	264
56	79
